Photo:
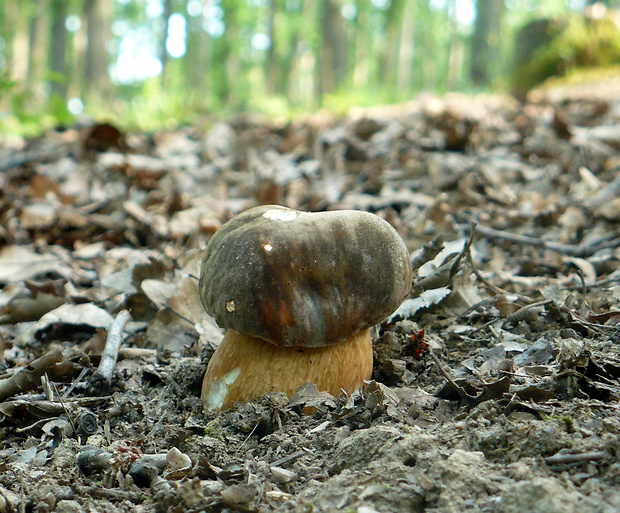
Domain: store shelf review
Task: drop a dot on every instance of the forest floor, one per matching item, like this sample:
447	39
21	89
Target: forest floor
495	385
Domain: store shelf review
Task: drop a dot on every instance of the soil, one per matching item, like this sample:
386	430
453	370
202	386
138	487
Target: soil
495	385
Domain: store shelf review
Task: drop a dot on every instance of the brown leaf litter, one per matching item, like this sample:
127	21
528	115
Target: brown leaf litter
495	385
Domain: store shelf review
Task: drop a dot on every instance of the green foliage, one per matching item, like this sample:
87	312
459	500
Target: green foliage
585	43
390	51
213	430
28	117
274	107
6	84
583	77
57	109
152	106
575	43
342	101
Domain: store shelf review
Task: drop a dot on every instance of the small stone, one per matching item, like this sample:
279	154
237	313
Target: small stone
236	495
281	475
176	460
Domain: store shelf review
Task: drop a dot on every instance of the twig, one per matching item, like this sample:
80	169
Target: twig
248	437
102	378
64	407
580	251
75	382
563	459
136	353
512	316
520	311
30	376
22	493
491	286
461	391
48	408
584	290
614	277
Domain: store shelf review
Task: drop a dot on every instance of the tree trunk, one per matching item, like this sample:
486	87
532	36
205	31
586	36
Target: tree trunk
163	51
389	67
271	65
287	54
406	50
455	53
58	47
485	45
197	55
98	17
333	49
361	47
302	83
228	74
34	45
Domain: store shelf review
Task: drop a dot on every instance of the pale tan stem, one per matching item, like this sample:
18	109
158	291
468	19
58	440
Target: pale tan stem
245	368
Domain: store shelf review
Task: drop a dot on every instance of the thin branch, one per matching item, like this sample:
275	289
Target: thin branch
520	311
460	390
580	251
563	459
491	286
102	378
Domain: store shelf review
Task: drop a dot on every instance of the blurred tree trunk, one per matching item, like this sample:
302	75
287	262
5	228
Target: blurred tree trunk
17	20
287	46
197	56
76	58
58	48
98	16
360	48
229	72
333	49
303	77
36	47
406	50
271	65
163	51
394	26
455	53
485	45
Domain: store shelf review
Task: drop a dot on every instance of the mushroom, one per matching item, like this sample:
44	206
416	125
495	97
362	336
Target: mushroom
298	293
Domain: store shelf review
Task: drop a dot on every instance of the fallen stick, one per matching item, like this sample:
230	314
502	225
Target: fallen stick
30	376
136	353
101	380
580	251
459	389
563	459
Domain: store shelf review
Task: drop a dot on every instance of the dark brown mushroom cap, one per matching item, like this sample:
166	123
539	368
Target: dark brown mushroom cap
300	278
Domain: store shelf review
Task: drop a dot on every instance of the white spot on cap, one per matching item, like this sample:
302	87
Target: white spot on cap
230	306
281	215
218	389
267	247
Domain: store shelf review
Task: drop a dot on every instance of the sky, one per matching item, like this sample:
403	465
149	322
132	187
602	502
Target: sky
138	56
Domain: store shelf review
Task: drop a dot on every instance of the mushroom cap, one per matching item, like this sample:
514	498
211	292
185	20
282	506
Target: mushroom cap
303	279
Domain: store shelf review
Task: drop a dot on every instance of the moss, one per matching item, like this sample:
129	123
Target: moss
213	430
583	76
571	43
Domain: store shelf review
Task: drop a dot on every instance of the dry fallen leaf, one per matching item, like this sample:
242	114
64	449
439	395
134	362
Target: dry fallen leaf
18	263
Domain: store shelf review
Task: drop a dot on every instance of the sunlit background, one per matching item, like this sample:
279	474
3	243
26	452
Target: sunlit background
165	62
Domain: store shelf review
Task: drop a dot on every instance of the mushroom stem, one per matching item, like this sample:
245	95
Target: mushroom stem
245	368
